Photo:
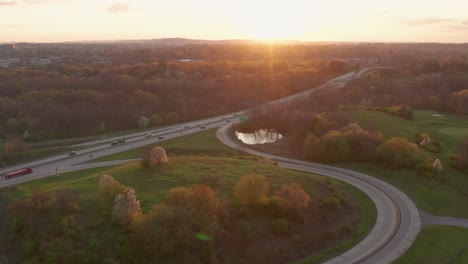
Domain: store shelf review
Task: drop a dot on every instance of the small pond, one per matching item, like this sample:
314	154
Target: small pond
260	136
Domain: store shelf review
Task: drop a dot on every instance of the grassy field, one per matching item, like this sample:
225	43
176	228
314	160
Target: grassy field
204	142
438	244
448	129
46	148
446	196
186	168
152	185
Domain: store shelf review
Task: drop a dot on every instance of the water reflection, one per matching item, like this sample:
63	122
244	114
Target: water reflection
260	136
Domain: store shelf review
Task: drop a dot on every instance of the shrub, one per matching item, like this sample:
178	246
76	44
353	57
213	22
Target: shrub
331	203
252	190
331	147
294	195
277	206
109	188
398	153
280	227
363	143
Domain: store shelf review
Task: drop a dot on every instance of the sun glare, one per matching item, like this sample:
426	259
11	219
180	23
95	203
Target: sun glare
270	21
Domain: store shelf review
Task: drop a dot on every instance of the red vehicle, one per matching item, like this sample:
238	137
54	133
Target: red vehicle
19	172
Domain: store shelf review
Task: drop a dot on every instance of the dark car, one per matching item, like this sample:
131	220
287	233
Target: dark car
115	142
228	120
72	153
160	137
122	140
203	127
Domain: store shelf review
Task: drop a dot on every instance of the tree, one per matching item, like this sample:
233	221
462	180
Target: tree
184	220
26	135
295	195
13	125
126	207
252	190
143	122
109	188
437	166
330	147
157	156
362	143
171	117
155	120
398	153
460	158
15	147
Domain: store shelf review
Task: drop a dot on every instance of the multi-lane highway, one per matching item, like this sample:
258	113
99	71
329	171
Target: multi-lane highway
101	148
397	224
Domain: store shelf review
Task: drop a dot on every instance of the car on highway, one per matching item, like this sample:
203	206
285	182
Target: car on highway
72	153
160	137
148	135
187	126
228	120
234	115
115	142
122	140
203	127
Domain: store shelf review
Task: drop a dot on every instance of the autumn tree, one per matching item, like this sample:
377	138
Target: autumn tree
295	195
252	190
177	223
109	188
126	207
398	153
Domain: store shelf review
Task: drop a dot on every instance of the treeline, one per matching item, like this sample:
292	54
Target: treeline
67	100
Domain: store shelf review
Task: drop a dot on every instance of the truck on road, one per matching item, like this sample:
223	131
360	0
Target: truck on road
16	173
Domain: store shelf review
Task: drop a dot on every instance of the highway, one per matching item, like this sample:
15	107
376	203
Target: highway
101	148
397	224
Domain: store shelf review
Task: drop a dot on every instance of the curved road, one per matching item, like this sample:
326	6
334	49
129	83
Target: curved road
398	221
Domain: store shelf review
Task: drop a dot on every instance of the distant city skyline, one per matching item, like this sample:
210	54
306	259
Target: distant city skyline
333	20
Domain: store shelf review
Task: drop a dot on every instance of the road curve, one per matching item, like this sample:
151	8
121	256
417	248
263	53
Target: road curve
398	221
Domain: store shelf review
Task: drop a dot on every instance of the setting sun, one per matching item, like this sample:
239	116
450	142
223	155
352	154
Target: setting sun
278	20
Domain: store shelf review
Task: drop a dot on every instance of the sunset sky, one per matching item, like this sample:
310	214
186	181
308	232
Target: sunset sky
306	20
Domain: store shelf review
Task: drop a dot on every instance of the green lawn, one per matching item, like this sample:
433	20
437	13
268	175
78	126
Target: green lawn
448	129
438	244
432	195
203	142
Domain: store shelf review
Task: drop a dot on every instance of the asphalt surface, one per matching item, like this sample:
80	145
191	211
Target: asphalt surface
398	221
429	219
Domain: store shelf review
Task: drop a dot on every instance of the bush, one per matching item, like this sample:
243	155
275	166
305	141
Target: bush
247	229
277	206
280	227
295	196
398	153
252	190
331	203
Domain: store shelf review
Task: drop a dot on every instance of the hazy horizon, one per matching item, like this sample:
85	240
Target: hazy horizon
331	21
